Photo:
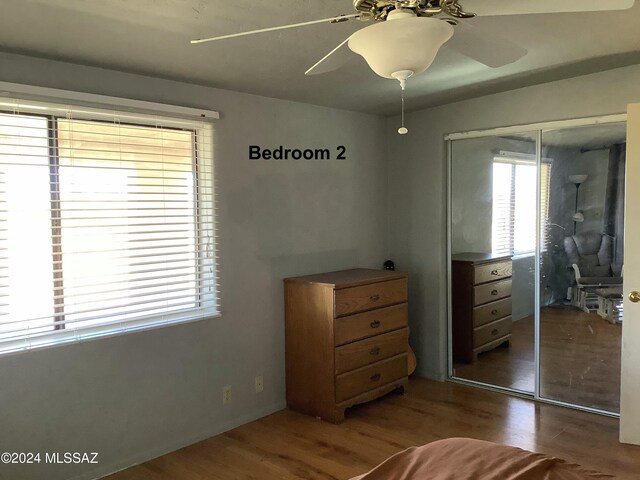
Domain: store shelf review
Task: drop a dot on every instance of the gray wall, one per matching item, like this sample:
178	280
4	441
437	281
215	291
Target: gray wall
136	396
417	182
472	195
523	287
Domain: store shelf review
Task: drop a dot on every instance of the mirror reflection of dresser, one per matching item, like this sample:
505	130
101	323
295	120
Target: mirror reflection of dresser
481	303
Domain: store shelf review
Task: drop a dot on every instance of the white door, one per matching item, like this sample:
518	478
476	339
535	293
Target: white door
630	393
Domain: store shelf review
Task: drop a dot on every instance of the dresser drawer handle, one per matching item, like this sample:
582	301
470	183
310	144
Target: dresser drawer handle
495	312
494	331
376	377
375	324
494	273
494	292
374	298
375	351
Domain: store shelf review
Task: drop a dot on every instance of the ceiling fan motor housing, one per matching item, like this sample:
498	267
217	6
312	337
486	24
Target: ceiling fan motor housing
380	10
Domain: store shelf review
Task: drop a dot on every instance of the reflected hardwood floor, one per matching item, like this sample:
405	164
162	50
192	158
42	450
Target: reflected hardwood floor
511	367
288	445
579	359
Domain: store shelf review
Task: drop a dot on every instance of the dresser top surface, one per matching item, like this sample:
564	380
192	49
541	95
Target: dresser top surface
349	278
473	257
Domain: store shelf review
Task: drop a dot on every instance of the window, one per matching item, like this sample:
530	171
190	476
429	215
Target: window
514	204
106	223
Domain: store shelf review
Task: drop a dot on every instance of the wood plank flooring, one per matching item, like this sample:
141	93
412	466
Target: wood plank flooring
579	359
288	445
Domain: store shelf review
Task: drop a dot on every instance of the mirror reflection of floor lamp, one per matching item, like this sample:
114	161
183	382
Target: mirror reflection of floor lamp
578	216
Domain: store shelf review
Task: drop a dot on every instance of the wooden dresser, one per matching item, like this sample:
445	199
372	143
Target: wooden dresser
481	303
346	339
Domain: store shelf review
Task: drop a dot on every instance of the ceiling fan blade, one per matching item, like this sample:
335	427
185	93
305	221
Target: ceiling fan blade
337	19
484	46
332	60
521	7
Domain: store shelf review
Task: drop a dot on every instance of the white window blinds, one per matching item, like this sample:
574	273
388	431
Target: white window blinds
514	204
106	223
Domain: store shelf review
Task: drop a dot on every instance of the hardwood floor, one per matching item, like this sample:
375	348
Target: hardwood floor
579	359
288	445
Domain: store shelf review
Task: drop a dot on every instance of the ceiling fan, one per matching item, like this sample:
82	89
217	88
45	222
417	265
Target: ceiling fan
406	35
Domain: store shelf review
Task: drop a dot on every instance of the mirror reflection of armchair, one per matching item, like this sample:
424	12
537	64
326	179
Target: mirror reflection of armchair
591	259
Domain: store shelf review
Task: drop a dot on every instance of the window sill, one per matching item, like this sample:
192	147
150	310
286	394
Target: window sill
106	334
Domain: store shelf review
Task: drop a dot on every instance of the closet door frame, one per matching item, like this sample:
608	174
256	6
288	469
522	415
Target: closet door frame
518	129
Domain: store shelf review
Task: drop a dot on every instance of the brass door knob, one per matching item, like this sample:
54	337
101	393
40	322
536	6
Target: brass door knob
634	296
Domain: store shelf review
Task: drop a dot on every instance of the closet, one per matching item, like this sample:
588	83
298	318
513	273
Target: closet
546	200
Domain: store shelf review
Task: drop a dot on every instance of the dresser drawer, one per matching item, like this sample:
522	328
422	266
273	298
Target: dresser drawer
489	272
367	297
490	292
374	349
491	331
364	325
367	378
491	311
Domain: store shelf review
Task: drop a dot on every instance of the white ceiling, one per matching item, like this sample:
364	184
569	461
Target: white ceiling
152	37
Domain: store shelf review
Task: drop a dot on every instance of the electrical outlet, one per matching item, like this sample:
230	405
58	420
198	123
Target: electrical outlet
259	384
226	394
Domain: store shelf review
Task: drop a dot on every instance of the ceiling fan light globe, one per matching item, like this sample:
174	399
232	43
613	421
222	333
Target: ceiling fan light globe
401	44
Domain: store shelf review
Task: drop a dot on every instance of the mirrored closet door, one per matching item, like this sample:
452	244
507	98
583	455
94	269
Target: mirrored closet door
581	265
536	260
493	223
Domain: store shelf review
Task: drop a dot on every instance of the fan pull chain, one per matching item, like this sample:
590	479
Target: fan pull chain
401	76
403	130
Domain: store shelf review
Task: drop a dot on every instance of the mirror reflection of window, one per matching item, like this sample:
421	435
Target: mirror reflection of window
513	229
